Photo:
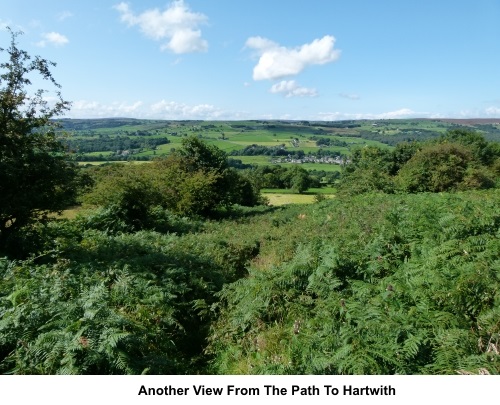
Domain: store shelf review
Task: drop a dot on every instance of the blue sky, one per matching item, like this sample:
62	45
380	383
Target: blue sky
256	59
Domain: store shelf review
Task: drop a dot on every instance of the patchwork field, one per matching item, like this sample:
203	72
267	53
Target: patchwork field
254	142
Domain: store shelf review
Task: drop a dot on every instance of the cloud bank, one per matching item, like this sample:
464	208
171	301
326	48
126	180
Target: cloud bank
493	111
168	110
176	26
401	113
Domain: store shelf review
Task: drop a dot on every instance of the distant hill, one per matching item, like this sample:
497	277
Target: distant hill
94	139
471	121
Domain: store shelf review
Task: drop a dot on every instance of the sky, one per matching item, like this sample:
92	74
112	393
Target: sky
266	59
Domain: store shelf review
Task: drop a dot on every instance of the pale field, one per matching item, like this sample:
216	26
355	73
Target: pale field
276	199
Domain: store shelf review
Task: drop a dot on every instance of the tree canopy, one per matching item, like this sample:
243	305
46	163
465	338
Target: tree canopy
460	159
35	175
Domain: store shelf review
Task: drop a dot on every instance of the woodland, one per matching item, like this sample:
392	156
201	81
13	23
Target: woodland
181	266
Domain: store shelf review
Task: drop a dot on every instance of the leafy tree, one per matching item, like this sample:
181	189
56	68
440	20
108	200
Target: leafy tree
460	159
483	151
196	180
369	170
403	152
298	179
199	155
127	194
435	168
35	175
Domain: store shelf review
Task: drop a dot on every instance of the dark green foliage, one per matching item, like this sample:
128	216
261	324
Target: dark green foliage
435	168
375	284
97	303
199	155
119	143
35	175
372	284
369	170
195	181
409	287
328	142
459	160
483	151
293	178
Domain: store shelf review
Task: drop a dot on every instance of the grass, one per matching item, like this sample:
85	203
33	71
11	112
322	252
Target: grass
315	166
276	199
69	213
322	190
254	160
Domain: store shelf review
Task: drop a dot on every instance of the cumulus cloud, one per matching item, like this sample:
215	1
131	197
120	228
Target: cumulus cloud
177	26
290	88
53	38
277	62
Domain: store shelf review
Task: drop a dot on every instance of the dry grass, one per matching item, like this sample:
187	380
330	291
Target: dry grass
277	199
69	213
283	199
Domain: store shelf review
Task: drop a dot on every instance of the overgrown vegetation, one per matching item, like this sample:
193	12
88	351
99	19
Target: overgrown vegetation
459	160
179	267
380	284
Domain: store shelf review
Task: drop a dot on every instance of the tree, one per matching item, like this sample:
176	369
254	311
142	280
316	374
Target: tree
368	171
199	155
483	151
36	177
195	180
221	185
435	168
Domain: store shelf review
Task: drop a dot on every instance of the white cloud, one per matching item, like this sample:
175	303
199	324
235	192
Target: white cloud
290	88
53	38
401	113
350	96
173	110
493	111
277	62
177	25
94	109
159	110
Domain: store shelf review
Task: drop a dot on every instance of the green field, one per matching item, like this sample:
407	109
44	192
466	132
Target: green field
291	136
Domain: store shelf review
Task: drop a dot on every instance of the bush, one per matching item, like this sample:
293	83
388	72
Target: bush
435	168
